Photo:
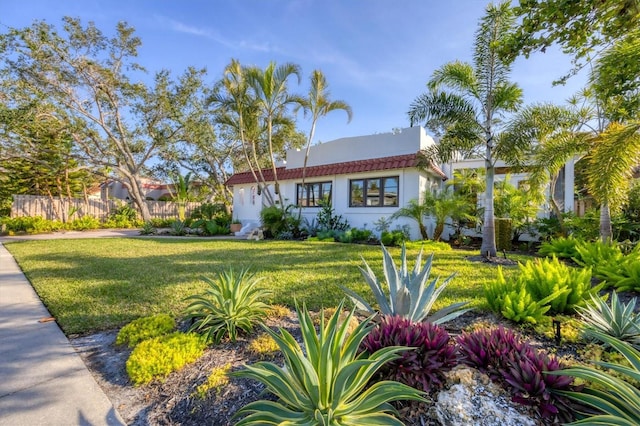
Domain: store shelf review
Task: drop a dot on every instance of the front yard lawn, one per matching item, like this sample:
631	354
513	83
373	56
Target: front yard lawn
97	284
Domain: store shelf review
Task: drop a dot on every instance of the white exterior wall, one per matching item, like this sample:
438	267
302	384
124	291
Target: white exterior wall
411	184
404	141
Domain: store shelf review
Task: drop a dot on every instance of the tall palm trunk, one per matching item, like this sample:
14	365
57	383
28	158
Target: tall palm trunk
606	231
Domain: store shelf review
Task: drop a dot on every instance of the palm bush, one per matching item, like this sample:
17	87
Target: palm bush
597	253
231	302
409	294
615	401
616	319
326	383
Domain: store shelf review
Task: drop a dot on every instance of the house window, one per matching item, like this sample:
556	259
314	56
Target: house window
375	192
312	194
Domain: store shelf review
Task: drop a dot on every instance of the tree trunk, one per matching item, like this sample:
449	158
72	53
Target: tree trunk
423	230
135	190
488	247
437	232
606	231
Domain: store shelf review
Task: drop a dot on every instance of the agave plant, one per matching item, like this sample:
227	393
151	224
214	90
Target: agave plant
410	296
616	401
617	319
231	302
325	384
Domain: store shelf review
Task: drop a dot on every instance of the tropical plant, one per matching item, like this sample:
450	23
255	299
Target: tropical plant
409	294
178	228
514	302
276	220
615	400
182	192
232	302
624	276
328	220
446	205
616	319
270	99
424	366
520	367
147	228
415	211
318	104
597	253
465	104
326	383
561	247
571	287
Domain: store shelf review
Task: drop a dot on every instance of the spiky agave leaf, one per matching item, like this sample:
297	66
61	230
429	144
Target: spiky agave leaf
409	294
326	383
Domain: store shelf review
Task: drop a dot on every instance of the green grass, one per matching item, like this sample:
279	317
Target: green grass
97	284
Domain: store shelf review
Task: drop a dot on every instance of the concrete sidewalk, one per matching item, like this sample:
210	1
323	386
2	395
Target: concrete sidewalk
43	381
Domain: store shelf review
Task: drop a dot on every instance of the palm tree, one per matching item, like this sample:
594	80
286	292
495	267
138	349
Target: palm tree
465	103
416	211
610	150
182	187
445	204
272	98
319	105
237	110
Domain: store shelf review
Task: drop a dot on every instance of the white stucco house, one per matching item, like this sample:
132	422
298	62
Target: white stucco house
364	177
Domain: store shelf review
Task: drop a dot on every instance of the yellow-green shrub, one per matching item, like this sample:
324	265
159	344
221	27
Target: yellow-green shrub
158	357
218	378
263	345
145	328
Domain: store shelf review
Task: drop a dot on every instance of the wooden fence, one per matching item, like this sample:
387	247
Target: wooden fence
61	208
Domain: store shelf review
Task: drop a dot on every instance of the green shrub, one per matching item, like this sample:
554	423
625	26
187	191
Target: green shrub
504	233
427	245
210	227
597	254
85	223
233	301
161	223
327	220
145	328
393	238
148	228
561	247
545	277
514	302
158	357
624	275
31	225
327	382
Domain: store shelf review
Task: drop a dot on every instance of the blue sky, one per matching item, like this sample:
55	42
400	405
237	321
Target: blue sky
377	55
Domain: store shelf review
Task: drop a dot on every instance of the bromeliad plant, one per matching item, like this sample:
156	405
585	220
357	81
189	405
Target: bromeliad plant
616	319
410	296
232	302
424	366
615	400
325	384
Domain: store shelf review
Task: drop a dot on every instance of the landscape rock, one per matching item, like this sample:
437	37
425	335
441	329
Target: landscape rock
470	398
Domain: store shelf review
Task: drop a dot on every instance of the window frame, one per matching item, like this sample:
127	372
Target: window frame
321	194
381	194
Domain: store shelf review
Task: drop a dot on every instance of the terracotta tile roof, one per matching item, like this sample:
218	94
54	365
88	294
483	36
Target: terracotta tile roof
349	167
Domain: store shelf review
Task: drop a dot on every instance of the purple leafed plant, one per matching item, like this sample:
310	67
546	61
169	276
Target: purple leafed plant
520	367
423	367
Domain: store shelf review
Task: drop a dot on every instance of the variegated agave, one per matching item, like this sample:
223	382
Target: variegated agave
411	296
325	384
